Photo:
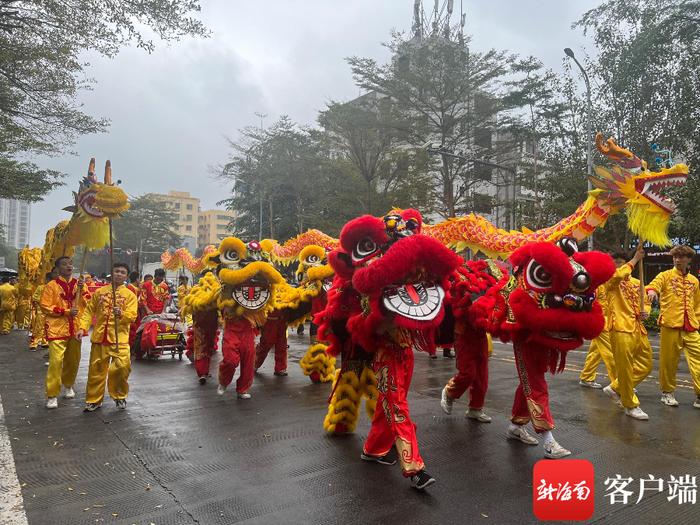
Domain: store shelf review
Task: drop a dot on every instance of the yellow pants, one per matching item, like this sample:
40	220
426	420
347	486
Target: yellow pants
38	330
600	348
673	340
632	353
106	360
21	315
64	359
7	319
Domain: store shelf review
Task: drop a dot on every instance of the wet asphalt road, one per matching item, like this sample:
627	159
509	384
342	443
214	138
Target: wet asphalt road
180	454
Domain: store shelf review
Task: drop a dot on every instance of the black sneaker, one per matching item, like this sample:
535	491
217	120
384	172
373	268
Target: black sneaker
202	380
91	407
121	403
283	373
447	352
421	480
387	459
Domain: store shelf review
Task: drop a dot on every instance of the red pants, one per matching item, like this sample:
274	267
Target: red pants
273	333
238	348
472	352
133	327
531	402
392	425
205	337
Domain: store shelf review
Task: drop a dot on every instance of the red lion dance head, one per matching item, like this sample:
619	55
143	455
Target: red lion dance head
399	275
551	296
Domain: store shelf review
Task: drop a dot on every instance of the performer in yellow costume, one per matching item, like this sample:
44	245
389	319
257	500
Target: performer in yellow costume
8	305
24	297
599	349
110	351
61	303
38	334
630	343
678	293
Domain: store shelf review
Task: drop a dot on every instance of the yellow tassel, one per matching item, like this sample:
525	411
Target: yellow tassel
648	225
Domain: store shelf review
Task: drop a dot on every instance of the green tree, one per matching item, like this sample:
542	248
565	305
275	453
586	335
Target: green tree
148	224
25	181
648	53
42	69
445	93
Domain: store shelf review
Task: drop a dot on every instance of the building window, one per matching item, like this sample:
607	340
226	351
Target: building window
221	226
223	218
188	228
177	205
188	218
189	206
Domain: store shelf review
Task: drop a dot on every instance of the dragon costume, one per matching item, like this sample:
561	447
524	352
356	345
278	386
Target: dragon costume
628	186
93	204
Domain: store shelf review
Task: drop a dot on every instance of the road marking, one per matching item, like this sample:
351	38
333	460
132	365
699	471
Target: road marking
11	502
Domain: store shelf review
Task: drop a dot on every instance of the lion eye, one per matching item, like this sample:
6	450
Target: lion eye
363	249
230	256
311	259
537	277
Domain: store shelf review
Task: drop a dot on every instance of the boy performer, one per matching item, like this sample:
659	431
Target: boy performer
630	344
61	307
679	297
110	350
155	293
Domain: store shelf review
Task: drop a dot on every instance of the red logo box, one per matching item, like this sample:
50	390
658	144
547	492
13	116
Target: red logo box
563	490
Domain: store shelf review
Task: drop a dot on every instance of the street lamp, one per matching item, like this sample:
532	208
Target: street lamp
589	126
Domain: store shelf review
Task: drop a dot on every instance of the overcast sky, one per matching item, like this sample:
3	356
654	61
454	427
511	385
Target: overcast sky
172	110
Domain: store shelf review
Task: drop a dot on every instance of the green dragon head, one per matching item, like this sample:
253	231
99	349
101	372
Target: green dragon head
630	185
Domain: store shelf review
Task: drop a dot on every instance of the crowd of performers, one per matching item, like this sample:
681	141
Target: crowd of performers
383	292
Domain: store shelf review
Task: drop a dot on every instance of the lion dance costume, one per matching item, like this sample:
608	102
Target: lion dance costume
388	297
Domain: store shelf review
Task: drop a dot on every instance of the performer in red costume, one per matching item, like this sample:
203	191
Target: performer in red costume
273	334
391	281
247	286
155	293
546	308
471	343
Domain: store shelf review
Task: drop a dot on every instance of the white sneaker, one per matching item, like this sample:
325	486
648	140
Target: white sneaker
668	399
590	384
446	402
69	393
220	389
553	450
521	434
696	403
637	413
613	395
478	415
52	402
244	395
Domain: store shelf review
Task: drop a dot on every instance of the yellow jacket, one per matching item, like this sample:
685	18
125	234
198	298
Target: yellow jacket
56	301
679	298
36	297
8	297
100	307
601	295
182	292
623	298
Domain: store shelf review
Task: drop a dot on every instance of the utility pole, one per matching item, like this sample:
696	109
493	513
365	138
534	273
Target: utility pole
260	228
589	127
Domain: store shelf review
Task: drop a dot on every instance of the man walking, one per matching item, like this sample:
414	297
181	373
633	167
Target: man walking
109	354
